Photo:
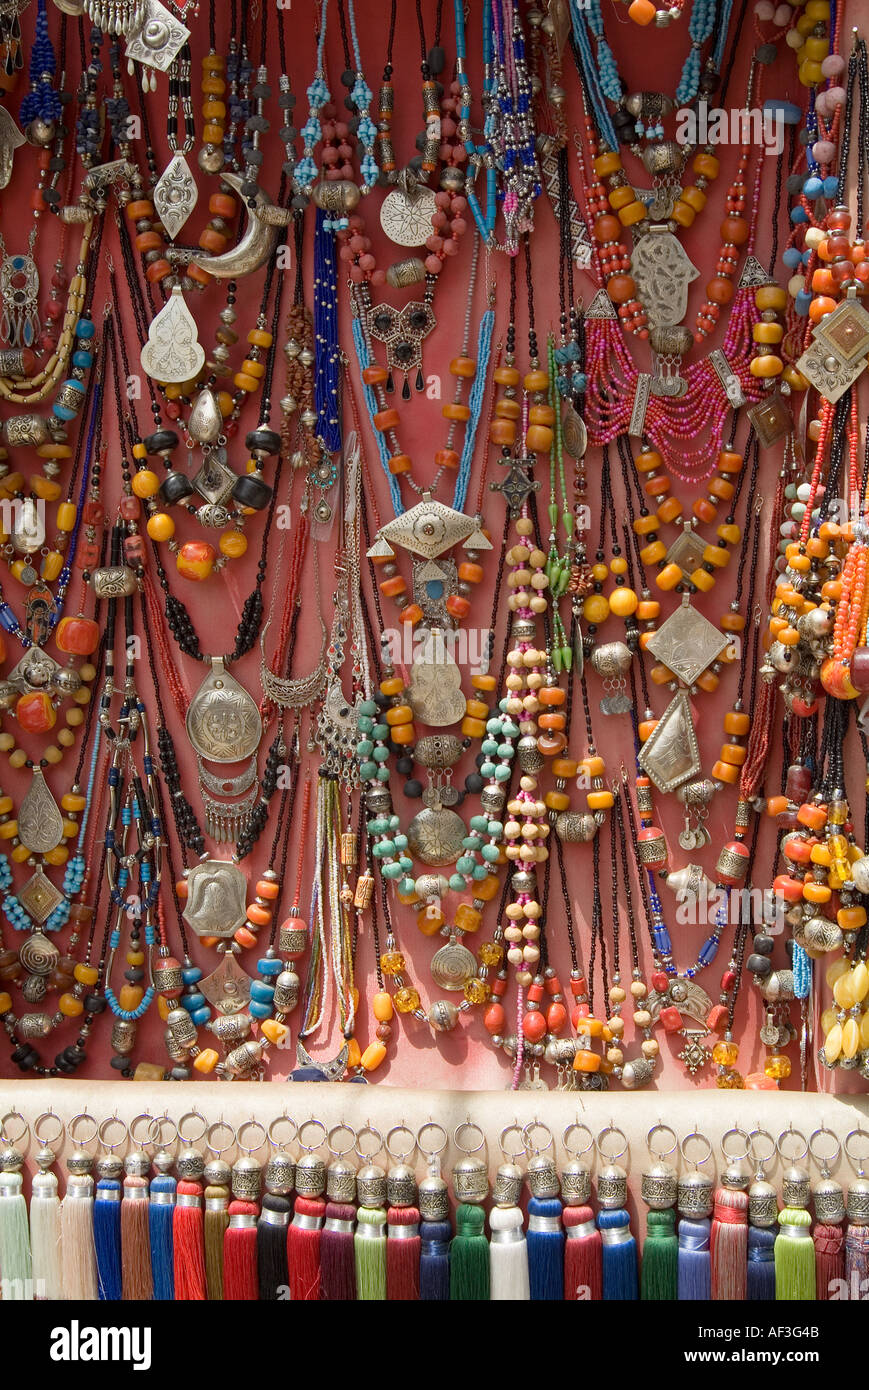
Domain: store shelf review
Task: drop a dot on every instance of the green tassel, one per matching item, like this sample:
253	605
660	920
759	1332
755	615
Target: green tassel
370	1253
659	1278
794	1256
469	1258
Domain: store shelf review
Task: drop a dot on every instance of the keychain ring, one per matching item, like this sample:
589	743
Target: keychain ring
336	1129
131	1128
570	1129
306	1124
826	1162
661	1128
103	1130
281	1119
431	1153
83	1115
735	1129
785	1134
695	1134
858	1161
155	1128
48	1143
213	1129
536	1148
368	1128
191	1115
605	1132
13	1115
509	1156
401	1129
761	1159
250	1124
460	1129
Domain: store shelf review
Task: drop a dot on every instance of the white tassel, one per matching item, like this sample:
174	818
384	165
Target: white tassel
79	1256
45	1237
508	1257
17	1278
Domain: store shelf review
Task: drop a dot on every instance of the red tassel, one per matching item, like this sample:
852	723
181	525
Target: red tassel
337	1254
402	1254
728	1245
137	1284
240	1276
829	1258
303	1249
583	1257
188	1239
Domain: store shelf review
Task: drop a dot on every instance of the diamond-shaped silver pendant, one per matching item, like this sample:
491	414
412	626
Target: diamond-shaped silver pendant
175	195
687	642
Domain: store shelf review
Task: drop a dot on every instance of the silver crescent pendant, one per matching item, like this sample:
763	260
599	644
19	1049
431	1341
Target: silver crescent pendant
256	244
223	721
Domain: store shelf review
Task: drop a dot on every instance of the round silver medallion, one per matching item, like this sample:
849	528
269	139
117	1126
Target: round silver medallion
452	966
406	219
435	836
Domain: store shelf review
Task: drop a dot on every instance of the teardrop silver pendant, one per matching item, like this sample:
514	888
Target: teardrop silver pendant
40	824
223	721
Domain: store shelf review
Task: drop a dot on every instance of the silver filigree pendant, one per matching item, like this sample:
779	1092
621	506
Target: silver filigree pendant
175	195
223	721
40	824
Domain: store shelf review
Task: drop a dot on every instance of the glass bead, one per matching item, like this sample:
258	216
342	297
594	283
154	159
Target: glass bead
725	1053
777	1067
392	962
406	1000
476	991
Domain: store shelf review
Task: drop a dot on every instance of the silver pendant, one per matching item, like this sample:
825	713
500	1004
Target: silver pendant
663	273
38	955
216	898
39	897
175	197
223	722
428	529
402	332
28	533
574	433
332	1070
671	754
173	352
406	215
11	139
154	37
837	354
40	824
205	422
228	987
435	836
686	995
687	643
694	1055
435	690
453	965
257	241
19	287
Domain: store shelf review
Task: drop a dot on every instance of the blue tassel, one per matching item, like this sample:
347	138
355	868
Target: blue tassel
107	1238
545	1250
760	1285
695	1265
160	1229
619	1256
434	1261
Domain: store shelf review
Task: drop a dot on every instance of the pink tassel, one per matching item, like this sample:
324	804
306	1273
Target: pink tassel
728	1245
583	1257
402	1254
303	1249
829	1259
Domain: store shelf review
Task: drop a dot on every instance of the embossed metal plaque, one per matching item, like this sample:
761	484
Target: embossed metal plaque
687	642
223	721
40	824
435	836
175	196
435	690
428	529
671	754
406	217
216	898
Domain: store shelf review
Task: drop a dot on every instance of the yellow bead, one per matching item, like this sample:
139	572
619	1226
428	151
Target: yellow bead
599	801
392	962
406	1000
69	1006
373	1056
833	1043
274	1031
843	992
145	483
160	526
5	1003
135	957
623	602
476	991
491	954
850	1037
205	1061
53	755
381	1006
9	829
86	974
233	543
65	517
70	827
17	759
725	1054
860	981
596	609
52	565
467	918
20	854
354	1053
57	856
130	997
149	1071
777	1067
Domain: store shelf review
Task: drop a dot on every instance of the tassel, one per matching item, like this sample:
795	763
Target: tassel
188	1241
369	1248
728	1244
434	1261
161	1207
619	1250
45	1236
546	1242
760	1283
829	1259
240	1282
856	1260
337	1257
402	1254
583	1258
107	1239
794	1256
271	1247
469	1257
660	1268
136	1281
303	1249
216	1199
694	1273
15	1263
508	1257
79	1258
